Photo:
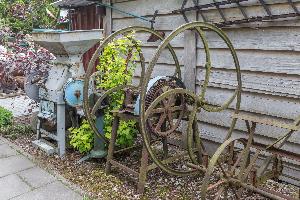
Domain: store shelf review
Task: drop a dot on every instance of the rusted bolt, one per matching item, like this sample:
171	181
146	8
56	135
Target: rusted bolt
77	94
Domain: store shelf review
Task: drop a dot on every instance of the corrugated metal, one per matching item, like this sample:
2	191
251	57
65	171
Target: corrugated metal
87	18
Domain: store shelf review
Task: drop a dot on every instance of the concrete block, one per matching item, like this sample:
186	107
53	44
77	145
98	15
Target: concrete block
14	164
12	186
44	147
19	105
7	151
53	191
36	177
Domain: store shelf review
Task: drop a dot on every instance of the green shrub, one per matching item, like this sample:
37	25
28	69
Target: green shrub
23	15
6	117
82	137
117	65
15	131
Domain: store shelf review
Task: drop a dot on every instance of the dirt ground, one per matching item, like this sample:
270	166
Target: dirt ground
90	176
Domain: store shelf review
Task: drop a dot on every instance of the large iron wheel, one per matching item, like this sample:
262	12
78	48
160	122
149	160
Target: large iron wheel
199	101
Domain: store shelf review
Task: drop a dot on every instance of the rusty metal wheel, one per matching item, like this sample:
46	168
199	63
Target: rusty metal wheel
166	116
178	163
229	170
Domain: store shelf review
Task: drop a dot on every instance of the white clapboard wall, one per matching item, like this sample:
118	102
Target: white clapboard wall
269	55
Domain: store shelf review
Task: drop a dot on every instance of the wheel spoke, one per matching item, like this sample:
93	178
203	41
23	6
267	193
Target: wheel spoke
158	110
238	193
222	169
236	163
211	187
170	119
220	191
160	122
176	108
251	165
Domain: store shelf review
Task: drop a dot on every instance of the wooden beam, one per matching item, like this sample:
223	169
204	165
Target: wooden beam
107	21
190	60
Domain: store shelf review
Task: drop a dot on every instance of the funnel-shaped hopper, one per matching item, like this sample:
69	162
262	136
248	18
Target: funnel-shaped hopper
67	43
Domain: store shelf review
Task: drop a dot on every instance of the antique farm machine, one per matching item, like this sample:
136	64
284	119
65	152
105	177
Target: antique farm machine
165	111
60	90
236	164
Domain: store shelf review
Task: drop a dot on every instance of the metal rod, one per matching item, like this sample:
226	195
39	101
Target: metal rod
257	19
266	7
293	6
207	5
220	11
127	13
242	10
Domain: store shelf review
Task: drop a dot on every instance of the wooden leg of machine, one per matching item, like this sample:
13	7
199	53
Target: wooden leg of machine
111	148
143	171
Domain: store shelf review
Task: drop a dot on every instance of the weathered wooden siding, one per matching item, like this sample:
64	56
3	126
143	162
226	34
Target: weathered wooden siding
87	18
269	55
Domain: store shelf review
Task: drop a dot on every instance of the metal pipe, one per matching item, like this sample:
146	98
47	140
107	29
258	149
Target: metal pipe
124	12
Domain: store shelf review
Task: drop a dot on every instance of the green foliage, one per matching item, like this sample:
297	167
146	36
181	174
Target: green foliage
117	65
82	137
14	131
23	15
6	117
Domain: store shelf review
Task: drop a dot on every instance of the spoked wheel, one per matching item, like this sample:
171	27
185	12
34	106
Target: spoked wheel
169	113
229	171
166	116
198	103
91	109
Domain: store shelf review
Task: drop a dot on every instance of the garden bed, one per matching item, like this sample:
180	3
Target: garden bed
90	176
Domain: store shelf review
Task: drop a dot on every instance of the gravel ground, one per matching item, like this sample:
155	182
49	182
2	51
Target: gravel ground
90	176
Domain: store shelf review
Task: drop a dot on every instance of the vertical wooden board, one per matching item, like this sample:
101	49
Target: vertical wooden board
107	21
190	60
87	18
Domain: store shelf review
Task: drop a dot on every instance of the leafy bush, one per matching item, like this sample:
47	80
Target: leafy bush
82	137
6	117
15	131
23	15
117	65
19	56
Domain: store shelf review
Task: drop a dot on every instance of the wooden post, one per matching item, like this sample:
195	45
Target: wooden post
107	21
190	62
